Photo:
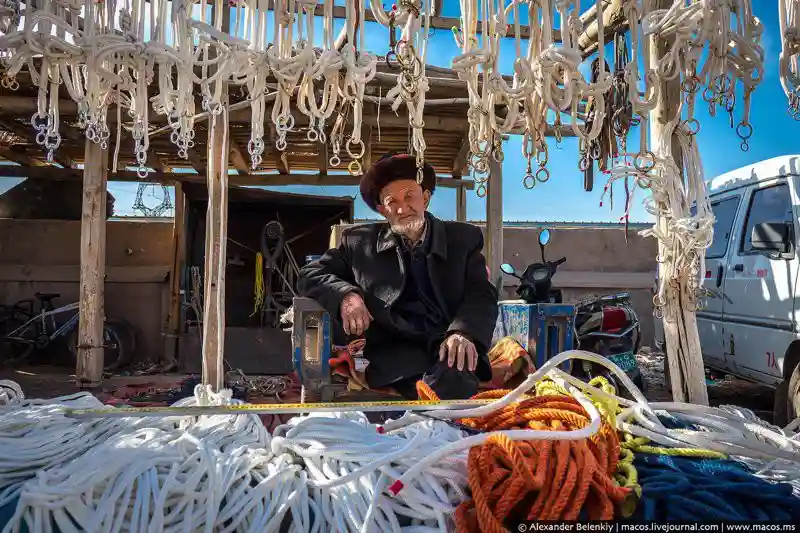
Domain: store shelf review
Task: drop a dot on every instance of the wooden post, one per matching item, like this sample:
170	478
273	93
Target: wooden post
91	354
178	255
216	241
494	220
461	204
684	356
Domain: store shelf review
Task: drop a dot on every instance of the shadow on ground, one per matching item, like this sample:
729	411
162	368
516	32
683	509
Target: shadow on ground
727	391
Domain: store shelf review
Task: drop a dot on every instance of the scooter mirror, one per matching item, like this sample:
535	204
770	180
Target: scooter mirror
508	269
544	237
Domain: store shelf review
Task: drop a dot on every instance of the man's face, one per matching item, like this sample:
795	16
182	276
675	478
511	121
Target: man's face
403	203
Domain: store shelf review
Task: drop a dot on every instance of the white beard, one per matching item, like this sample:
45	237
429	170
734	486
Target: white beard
411	228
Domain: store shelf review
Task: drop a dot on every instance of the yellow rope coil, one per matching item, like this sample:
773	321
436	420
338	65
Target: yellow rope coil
640	445
258	289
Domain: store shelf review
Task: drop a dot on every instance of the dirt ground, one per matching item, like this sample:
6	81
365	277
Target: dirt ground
47	382
727	391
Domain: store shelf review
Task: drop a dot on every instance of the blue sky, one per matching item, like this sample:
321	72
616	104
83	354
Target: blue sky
563	198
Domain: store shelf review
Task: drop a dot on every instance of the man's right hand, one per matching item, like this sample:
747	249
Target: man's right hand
355	316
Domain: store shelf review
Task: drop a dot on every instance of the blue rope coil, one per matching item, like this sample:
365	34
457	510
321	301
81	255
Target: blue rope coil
690	489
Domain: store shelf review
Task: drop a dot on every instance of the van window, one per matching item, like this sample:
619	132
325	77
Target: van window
771	204
724	214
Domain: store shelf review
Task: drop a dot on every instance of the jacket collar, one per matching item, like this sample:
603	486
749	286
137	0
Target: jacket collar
434	227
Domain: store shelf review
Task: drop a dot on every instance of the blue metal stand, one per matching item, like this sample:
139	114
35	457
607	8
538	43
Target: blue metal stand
543	330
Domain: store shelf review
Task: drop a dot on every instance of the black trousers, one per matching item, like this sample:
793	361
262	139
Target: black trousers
448	383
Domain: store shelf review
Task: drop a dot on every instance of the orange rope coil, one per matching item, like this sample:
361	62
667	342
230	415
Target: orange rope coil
519	481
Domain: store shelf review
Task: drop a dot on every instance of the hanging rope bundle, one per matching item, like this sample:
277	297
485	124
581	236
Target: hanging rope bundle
789	20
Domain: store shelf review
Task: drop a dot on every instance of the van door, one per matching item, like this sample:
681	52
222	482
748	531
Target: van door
710	325
760	288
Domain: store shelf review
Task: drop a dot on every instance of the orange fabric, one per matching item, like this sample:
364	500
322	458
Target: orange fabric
511	364
519	481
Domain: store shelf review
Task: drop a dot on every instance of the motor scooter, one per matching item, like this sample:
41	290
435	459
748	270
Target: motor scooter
605	325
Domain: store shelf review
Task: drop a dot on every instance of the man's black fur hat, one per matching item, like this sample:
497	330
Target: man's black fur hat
389	168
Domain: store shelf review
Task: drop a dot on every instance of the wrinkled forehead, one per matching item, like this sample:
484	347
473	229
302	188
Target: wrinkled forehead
400	189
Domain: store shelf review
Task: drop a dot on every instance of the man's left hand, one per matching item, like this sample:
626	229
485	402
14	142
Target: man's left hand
459	349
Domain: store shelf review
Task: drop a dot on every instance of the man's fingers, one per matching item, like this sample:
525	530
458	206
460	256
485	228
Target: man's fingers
346	325
443	351
452	351
461	353
472	355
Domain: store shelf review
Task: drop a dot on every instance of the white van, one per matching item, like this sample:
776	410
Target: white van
751	330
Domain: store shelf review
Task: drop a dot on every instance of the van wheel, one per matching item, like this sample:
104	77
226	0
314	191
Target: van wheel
787	399
793	396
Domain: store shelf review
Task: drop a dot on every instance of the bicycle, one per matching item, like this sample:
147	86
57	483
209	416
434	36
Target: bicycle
23	331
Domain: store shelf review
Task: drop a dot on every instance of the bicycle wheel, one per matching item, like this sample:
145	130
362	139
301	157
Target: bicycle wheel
119	340
23	342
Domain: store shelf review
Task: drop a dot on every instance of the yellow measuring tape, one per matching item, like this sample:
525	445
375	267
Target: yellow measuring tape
277	408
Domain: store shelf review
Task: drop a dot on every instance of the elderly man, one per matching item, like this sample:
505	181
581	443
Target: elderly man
416	288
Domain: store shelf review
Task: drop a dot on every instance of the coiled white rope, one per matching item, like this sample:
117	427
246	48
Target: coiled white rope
215	473
350	466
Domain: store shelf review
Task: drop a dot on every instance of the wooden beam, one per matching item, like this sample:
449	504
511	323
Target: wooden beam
460	162
197	161
613	20
684	355
175	279
237	157
461	204
242	180
494	220
18	154
367	160
155	162
323	158
216	239
15	106
91	351
72	273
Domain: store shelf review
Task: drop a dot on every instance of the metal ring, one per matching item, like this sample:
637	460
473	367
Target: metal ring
648	157
692	126
335	161
354	168
142	172
529	181
498	155
745	146
391	54
584	163
359	143
746	127
481	190
644	183
312	135
542	171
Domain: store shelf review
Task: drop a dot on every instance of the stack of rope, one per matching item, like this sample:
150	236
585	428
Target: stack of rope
554	448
